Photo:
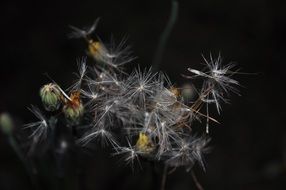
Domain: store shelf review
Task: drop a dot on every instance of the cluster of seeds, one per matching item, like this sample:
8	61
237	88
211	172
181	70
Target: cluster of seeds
139	114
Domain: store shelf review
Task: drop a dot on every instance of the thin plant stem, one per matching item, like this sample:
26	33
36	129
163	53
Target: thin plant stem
16	149
197	183
155	177
164	177
165	35
29	169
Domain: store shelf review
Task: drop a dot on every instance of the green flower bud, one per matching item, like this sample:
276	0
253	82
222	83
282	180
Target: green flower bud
188	92
6	123
51	96
73	113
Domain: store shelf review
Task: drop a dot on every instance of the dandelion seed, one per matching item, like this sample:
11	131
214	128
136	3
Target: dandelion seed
119	55
113	56
130	154
165	97
165	136
105	137
198	146
188	152
82	68
92	97
84	33
218	81
106	79
40	128
140	85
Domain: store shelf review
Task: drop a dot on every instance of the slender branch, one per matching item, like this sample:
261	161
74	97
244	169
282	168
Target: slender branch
165	35
197	183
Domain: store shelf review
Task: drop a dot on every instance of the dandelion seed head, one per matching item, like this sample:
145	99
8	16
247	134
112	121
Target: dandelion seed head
141	114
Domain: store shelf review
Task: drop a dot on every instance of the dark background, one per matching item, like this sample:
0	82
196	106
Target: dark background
249	146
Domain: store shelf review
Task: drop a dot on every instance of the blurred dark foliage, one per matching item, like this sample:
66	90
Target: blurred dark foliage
248	146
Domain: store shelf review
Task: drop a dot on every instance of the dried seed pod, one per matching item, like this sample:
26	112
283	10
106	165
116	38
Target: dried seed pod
73	109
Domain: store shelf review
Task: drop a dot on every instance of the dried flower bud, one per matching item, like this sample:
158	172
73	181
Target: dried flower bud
175	91
51	96
144	144
74	109
97	50
6	123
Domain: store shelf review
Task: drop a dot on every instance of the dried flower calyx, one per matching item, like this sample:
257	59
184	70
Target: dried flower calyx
73	108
